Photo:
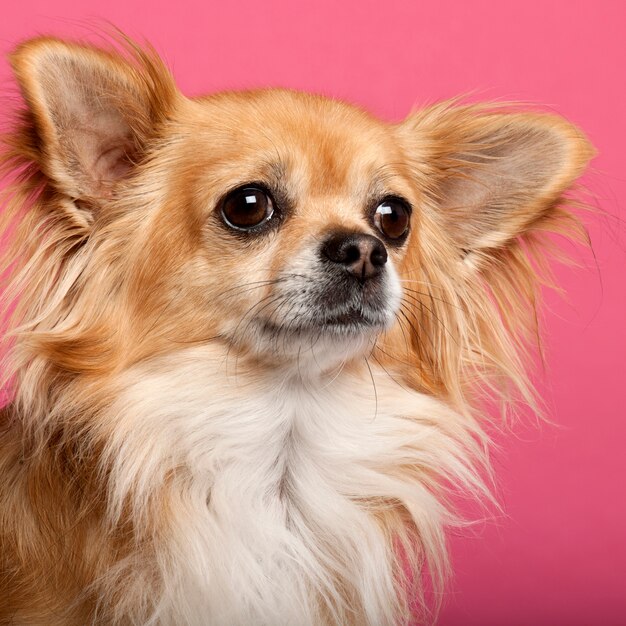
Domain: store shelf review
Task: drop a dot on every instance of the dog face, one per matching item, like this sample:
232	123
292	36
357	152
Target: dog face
296	241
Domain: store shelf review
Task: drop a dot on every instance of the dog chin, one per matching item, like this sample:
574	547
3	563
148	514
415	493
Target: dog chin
322	343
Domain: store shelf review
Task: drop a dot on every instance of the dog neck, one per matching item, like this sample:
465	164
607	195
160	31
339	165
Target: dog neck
290	476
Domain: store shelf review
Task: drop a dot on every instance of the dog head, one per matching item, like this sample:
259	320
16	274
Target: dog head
284	225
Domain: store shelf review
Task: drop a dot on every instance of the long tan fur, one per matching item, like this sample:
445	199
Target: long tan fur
162	462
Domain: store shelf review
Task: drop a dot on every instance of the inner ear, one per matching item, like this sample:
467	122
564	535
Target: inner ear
91	111
96	142
502	185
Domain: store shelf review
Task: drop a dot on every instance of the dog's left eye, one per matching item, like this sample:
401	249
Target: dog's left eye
392	218
247	207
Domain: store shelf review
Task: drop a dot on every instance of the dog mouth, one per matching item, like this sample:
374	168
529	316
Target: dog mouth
351	321
351	317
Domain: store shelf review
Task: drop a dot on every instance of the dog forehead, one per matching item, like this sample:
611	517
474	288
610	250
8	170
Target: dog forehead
323	145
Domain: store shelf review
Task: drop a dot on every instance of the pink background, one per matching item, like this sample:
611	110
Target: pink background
558	554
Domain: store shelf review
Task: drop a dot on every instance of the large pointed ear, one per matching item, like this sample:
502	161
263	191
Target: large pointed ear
493	176
90	113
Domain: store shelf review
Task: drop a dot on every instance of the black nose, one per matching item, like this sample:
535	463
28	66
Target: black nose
362	255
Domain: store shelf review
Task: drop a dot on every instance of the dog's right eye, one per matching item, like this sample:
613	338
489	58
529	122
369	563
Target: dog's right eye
247	208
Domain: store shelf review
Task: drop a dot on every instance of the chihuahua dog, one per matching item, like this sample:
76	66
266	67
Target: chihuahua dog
248	338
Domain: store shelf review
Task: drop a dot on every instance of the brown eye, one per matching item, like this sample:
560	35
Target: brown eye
392	218
247	207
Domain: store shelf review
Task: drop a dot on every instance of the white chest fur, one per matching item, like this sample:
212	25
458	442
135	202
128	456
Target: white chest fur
277	488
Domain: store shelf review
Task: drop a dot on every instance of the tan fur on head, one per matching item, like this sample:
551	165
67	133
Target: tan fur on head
181	447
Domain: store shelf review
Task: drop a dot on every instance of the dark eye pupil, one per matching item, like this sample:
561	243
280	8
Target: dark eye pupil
392	218
247	207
